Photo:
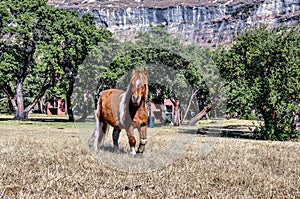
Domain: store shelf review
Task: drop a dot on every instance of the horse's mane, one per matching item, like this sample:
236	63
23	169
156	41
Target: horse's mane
138	78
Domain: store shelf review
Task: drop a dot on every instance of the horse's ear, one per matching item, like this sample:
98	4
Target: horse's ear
146	72
134	72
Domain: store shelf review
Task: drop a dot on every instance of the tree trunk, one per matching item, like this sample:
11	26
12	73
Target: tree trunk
189	105
269	124
37	98
18	102
176	105
69	101
200	115
21	114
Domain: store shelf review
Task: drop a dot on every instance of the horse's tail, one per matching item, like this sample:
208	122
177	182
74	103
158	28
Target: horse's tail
103	132
100	128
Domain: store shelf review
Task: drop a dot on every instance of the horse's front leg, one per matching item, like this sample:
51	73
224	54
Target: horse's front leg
131	139
143	138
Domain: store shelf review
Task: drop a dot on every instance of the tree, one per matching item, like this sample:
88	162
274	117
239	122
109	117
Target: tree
41	45
262	70
171	65
94	76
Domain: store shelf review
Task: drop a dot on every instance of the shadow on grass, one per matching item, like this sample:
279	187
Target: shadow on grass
6	119
109	149
224	131
33	119
48	120
230	131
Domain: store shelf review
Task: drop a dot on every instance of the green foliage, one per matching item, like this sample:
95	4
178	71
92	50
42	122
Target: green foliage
186	68
172	66
41	47
4	105
262	72
94	76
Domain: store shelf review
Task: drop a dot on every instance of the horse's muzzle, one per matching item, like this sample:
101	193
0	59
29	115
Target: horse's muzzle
136	100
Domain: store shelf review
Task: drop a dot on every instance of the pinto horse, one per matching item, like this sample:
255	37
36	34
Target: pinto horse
124	110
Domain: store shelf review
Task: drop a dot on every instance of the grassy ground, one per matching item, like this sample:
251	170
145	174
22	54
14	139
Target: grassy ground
53	160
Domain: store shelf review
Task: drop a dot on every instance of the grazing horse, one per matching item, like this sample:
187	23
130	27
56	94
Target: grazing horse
124	110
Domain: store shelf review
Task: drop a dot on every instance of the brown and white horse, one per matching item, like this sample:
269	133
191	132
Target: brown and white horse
124	110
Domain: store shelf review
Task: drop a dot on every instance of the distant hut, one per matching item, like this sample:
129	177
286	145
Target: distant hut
55	106
159	112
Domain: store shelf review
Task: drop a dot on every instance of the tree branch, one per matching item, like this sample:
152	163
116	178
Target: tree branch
200	115
8	91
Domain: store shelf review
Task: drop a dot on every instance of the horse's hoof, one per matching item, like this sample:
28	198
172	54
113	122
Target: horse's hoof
132	151
117	150
95	148
141	148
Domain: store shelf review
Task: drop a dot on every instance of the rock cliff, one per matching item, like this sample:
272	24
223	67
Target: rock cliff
206	23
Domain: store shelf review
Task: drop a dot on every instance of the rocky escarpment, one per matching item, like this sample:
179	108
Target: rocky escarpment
207	23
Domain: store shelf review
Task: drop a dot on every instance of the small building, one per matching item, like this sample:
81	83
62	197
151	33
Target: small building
55	106
159	110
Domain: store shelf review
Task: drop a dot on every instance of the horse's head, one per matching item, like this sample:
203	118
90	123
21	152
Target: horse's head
139	87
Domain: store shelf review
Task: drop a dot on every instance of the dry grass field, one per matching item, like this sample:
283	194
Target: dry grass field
52	160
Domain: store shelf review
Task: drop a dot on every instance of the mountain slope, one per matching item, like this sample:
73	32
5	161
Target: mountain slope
207	23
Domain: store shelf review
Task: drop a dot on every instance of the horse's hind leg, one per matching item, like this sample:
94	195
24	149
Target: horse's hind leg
115	135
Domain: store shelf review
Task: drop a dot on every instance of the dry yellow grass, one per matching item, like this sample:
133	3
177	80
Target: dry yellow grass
46	160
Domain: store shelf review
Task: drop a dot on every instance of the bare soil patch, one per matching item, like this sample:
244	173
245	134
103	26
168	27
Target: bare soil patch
50	160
